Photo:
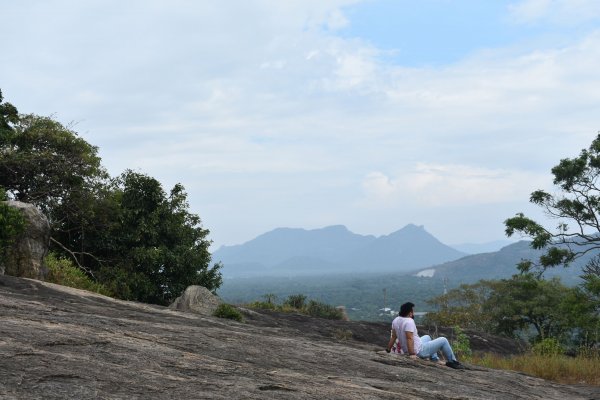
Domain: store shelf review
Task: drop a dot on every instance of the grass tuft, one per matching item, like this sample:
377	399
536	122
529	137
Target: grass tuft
557	368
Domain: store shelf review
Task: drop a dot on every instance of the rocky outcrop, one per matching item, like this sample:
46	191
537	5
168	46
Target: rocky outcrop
25	258
196	299
62	343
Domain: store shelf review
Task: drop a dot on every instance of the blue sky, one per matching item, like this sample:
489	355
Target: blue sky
371	114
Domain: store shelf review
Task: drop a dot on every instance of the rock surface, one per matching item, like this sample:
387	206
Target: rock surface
25	257
196	299
63	343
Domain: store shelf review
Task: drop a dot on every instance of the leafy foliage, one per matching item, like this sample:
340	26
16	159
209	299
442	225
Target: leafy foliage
295	301
547	347
313	308
463	306
228	311
126	233
43	161
11	224
461	344
159	247
520	306
62	271
576	206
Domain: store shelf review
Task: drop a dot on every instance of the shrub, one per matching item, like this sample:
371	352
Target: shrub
263	305
228	311
295	301
11	224
342	334
322	310
547	347
62	272
461	344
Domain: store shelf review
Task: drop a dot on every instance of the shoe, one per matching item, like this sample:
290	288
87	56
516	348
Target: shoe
455	365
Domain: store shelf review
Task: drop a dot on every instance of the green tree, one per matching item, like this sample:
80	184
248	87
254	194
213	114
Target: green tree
162	247
516	307
11	224
524	302
463	307
43	161
576	206
8	116
125	233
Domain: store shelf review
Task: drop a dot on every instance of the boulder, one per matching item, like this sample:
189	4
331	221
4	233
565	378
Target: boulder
196	299
25	258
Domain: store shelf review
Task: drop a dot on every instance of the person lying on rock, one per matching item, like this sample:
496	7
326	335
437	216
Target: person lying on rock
405	330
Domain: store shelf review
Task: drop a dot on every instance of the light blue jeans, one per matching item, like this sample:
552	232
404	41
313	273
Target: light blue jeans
430	348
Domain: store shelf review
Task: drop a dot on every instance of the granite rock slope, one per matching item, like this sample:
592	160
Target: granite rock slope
63	343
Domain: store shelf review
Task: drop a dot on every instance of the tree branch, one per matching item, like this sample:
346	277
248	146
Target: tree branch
86	270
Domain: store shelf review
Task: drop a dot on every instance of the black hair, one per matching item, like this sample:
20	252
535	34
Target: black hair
405	309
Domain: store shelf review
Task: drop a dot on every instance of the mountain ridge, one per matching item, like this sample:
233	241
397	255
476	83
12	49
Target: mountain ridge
334	249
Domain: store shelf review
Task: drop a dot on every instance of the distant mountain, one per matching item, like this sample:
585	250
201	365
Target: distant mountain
334	249
499	265
477	248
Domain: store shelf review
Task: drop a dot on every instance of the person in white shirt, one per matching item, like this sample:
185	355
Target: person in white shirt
405	330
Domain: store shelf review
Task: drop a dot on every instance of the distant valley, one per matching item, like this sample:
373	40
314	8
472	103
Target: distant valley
365	273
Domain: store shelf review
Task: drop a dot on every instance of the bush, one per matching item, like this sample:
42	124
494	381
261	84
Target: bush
547	347
295	301
322	310
461	344
11	224
342	334
228	311
263	305
62	272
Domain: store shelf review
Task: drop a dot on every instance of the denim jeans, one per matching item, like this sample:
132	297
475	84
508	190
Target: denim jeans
429	348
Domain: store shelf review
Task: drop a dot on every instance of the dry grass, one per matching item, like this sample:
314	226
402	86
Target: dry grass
561	369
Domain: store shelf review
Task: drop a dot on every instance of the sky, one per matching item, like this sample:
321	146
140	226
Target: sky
307	113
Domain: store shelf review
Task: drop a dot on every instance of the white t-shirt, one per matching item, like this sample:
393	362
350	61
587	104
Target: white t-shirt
402	325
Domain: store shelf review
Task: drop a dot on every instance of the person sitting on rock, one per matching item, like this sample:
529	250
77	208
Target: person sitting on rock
405	330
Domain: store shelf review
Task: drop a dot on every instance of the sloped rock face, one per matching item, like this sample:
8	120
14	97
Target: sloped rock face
196	299
61	343
25	257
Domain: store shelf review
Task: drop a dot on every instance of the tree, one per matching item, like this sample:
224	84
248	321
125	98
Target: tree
43	161
8	116
126	233
514	307
576	206
463	307
11	224
162	247
524	302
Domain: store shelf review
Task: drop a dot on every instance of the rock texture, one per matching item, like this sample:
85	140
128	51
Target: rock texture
196	299
25	257
61	343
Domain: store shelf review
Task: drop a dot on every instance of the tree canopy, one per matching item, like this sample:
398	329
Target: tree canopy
125	232
522	306
576	207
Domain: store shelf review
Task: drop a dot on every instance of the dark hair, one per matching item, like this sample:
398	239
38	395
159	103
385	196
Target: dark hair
405	309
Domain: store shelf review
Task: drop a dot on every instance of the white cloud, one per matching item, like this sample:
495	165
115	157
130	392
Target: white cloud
435	185
561	12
